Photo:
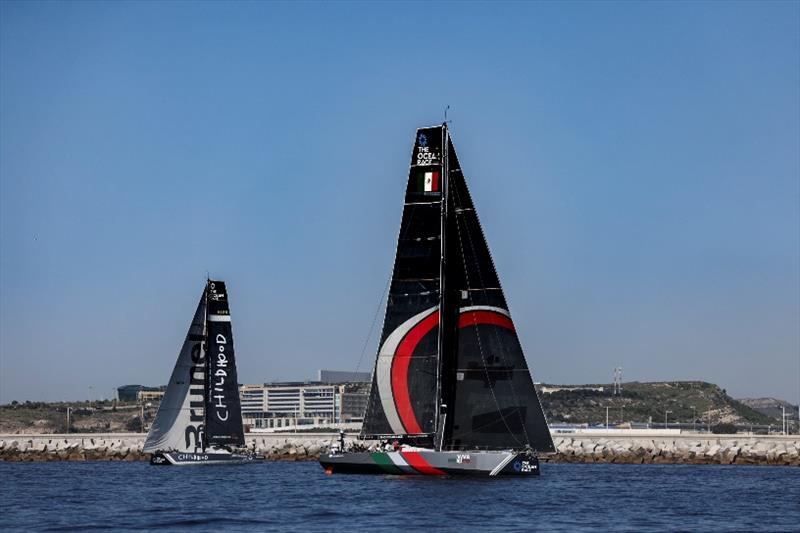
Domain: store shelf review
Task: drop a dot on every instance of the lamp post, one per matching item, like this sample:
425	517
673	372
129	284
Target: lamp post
666	413
785	421
694	419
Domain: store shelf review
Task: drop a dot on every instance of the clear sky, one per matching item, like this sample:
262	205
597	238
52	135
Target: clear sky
636	167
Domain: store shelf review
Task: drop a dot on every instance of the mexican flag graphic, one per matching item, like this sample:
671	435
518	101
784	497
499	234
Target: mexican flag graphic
428	181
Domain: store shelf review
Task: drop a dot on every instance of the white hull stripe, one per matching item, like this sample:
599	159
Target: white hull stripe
219	318
400	462
502	464
383	369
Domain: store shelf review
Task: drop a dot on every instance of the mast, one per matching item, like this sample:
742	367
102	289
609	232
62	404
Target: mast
207	366
441	409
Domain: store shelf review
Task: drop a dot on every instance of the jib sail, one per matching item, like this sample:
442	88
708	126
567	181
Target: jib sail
403	395
223	409
178	425
492	402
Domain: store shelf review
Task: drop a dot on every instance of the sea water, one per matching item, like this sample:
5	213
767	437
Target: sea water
65	496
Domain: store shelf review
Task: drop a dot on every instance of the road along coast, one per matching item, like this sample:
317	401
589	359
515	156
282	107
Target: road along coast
575	448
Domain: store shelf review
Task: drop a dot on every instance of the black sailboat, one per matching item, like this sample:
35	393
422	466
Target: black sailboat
451	390
199	420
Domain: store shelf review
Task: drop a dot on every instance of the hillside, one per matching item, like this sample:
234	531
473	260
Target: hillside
85	417
770	406
643	402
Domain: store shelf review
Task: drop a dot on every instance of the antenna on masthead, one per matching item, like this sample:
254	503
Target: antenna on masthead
445	114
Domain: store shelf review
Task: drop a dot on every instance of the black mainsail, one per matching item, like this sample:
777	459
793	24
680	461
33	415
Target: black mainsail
450	366
401	398
223	409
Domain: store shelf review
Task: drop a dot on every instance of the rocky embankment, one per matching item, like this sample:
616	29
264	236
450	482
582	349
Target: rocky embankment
681	449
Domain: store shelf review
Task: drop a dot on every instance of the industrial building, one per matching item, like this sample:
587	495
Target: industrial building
131	393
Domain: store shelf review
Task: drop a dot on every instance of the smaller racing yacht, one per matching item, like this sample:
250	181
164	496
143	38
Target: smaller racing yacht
199	421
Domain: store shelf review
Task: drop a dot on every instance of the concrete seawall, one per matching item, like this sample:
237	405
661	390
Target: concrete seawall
576	448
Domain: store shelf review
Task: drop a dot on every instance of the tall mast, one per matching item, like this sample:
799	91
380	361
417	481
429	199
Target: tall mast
441	417
205	373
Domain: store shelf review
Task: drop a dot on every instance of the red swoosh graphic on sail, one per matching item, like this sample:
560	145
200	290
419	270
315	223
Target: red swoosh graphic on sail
473	318
402	358
405	350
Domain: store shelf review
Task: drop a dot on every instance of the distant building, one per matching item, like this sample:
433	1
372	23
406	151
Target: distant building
340	376
291	404
130	393
354	402
150	395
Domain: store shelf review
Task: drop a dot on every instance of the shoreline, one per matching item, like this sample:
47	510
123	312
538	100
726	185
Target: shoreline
780	450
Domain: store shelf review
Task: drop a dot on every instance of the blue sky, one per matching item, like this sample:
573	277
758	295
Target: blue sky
635	166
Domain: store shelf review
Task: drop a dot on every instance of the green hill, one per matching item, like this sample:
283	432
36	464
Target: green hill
643	402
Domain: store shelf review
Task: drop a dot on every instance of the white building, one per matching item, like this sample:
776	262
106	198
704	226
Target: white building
279	405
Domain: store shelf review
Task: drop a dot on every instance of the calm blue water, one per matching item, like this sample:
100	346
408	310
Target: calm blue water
298	496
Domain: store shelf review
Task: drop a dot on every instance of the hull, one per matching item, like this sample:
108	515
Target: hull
207	458
430	462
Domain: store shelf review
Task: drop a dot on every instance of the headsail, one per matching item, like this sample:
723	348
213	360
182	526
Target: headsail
178	424
489	391
403	395
223	408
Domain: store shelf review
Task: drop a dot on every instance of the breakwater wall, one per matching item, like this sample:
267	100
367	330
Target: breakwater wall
574	448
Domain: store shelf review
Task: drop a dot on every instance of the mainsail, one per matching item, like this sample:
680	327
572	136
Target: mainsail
450	364
223	409
402	399
179	422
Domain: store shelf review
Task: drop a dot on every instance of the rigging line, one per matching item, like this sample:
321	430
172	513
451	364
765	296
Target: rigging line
374	383
372	327
497	278
477	332
496	332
